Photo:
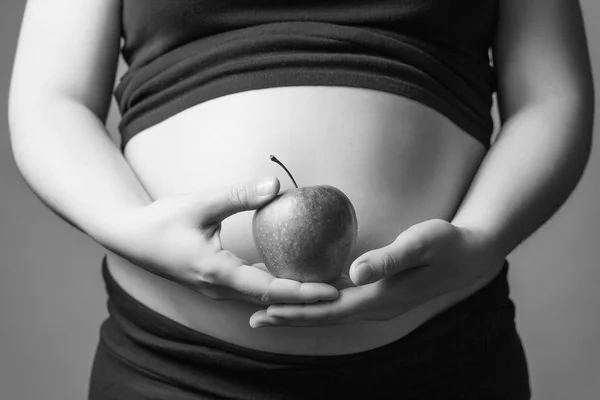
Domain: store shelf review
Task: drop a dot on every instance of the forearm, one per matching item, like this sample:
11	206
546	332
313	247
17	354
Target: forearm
72	165
530	171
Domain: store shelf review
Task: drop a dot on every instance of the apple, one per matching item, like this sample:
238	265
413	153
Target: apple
307	233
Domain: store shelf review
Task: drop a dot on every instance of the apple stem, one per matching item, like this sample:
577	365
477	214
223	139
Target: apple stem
275	160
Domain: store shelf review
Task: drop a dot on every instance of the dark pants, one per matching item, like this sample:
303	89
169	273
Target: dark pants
471	351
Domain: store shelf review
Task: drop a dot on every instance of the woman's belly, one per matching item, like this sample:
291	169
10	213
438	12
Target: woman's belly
397	160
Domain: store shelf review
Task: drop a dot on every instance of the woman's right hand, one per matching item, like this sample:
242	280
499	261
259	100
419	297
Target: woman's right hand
178	238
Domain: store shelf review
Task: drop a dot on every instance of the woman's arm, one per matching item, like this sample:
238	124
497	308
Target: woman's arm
546	103
60	93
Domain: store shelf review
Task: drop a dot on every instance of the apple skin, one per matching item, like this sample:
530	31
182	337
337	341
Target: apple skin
306	234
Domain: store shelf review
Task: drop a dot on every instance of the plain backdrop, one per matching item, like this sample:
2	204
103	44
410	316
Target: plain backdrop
52	297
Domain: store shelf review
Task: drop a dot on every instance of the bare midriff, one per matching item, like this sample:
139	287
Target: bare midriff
399	161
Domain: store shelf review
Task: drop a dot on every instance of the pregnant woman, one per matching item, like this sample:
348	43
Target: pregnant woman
387	100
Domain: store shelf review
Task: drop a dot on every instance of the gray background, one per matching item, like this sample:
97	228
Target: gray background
52	298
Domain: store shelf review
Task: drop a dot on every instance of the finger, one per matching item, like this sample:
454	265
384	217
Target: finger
260	319
349	306
268	322
404	253
231	272
215	205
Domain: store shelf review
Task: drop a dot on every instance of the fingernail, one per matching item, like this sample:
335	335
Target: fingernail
265	186
362	271
259	324
331	294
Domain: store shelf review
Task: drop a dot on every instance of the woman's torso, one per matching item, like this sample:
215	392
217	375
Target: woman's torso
399	162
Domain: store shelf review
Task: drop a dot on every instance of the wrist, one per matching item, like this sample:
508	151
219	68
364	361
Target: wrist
482	240
113	231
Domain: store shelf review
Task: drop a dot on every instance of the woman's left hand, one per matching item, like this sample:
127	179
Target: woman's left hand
425	262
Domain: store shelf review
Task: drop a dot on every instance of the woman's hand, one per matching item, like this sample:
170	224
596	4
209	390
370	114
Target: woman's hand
178	238
426	261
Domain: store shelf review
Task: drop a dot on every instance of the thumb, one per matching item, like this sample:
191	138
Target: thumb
380	263
218	204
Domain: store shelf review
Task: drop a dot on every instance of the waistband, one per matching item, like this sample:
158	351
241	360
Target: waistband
489	310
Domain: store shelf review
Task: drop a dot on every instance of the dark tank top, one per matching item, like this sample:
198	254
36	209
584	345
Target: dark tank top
183	52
